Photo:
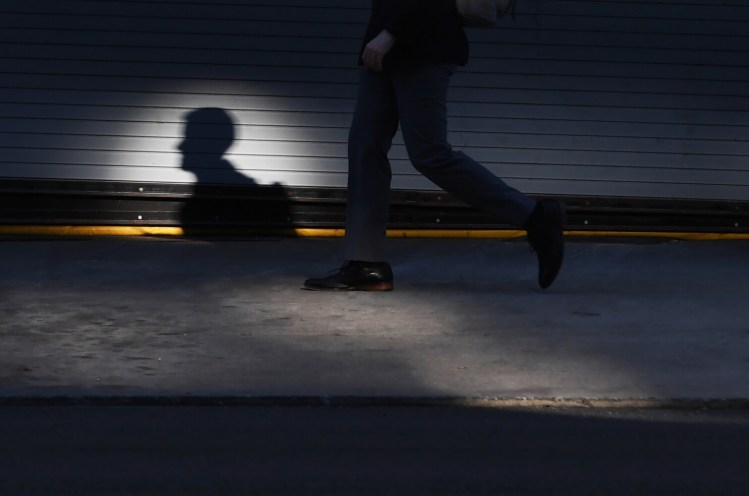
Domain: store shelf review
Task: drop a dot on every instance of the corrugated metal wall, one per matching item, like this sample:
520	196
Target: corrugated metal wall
604	97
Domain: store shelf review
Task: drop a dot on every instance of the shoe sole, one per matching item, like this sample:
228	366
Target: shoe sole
559	209
380	286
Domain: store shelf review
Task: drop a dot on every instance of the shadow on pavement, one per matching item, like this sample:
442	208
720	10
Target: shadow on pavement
388	451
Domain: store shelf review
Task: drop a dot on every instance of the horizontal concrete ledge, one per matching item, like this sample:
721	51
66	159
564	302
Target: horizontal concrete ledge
382	401
136	231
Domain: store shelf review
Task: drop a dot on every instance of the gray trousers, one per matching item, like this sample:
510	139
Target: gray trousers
416	97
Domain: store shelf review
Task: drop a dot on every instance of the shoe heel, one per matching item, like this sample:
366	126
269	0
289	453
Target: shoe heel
556	207
380	286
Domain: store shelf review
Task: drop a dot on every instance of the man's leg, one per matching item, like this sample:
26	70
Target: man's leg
371	135
421	94
370	138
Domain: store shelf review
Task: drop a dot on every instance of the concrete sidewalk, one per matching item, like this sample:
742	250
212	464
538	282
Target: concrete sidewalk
122	317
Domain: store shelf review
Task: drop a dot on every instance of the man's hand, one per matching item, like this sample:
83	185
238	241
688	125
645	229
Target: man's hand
375	51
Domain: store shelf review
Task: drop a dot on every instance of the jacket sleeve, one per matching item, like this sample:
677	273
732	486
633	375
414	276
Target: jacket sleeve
405	20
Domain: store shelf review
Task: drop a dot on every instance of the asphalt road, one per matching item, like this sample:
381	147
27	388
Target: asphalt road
100	450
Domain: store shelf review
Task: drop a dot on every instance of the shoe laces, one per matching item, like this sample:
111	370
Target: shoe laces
339	269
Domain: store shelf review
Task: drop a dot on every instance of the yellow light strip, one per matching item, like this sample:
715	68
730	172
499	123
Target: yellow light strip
134	231
91	231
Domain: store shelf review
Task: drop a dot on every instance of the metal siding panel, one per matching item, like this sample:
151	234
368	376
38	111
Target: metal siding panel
612	98
576	97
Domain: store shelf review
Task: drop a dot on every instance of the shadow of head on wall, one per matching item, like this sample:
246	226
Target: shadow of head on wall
223	196
209	133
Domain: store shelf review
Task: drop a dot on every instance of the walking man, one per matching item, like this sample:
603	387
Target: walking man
410	51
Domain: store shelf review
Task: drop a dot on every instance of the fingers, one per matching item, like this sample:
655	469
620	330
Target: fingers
375	51
372	59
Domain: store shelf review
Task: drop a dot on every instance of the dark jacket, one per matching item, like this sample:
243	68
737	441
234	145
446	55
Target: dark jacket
425	30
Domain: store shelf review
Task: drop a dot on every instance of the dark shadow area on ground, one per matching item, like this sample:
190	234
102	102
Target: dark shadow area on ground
371	451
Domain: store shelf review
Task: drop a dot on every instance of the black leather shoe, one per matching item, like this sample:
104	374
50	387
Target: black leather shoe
355	276
547	239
